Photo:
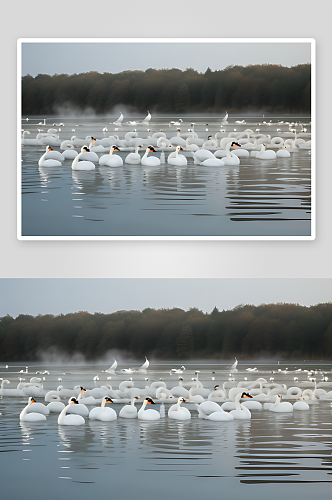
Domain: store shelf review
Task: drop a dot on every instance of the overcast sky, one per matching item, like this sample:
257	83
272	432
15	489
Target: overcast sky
70	58
56	296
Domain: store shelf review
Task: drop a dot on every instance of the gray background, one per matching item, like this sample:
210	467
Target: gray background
291	18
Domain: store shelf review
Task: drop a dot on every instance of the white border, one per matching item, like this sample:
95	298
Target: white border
312	41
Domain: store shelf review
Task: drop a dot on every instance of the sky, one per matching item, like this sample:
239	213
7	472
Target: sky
56	296
61	57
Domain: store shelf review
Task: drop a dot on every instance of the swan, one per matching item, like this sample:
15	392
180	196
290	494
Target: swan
38	408
240	412
210	410
47	160
177	140
76	142
177	370
67	145
144	414
164	394
231	158
195	398
2	390
210	143
55	406
31	417
217	395
119	120
283	153
213	162
234	365
111	160
82	165
300	405
201	155
279	407
192	146
70	419
96	149
263	154
103	412
89	400
134	158
179	390
112	368
129	411
293	393
144	366
177	413
150	161
176	159
147	118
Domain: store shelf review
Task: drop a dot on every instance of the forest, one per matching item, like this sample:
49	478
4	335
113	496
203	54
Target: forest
268	87
289	331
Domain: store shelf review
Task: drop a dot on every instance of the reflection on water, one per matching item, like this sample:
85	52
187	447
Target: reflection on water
257	197
268	455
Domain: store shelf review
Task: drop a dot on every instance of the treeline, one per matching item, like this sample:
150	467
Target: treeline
283	330
270	87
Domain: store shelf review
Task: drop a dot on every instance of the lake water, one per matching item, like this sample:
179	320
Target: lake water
255	198
270	456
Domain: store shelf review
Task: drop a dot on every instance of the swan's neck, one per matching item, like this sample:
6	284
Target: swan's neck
75	162
111	151
63	414
132	402
136	150
146	154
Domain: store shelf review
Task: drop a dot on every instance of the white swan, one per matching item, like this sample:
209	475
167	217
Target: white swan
177	413
217	395
279	407
210	410
283	153
31	417
70	419
202	155
150	161
111	160
300	405
82	165
231	158
119	120
134	158
129	411
47	160
55	406
263	154
144	366
96	148
144	414
195	398
38	408
240	412
234	366
89	400
103	413
2	390
112	368
176	159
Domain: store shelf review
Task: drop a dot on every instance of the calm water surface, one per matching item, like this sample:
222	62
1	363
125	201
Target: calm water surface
271	455
255	198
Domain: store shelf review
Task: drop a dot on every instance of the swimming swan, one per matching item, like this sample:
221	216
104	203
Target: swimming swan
177	413
134	158
31	417
231	158
279	407
263	154
111	160
103	413
48	160
129	411
70	419
240	412
150	161
144	414
82	165
176	159
209	410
